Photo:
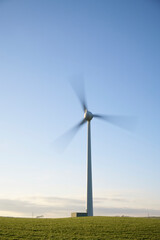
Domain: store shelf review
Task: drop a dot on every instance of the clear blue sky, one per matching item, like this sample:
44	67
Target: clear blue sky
115	46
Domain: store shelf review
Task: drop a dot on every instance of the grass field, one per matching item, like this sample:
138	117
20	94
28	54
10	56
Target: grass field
80	228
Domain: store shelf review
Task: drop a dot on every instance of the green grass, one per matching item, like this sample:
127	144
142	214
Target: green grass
80	228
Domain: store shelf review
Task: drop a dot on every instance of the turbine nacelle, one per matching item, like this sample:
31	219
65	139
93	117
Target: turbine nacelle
88	115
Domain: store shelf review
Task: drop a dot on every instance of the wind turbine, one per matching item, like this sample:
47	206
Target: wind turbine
121	121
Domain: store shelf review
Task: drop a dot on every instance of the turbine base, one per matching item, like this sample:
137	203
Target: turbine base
79	214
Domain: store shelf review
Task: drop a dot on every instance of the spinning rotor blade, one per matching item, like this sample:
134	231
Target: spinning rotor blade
63	141
126	122
78	88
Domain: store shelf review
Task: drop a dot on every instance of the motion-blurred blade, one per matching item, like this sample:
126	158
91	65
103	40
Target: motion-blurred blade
125	122
63	141
79	89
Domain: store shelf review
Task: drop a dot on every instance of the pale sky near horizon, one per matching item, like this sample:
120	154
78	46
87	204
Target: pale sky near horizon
115	46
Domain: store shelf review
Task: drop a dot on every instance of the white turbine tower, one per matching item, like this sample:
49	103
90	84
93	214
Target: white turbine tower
121	121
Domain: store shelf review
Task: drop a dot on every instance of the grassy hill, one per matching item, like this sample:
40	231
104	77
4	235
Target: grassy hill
96	228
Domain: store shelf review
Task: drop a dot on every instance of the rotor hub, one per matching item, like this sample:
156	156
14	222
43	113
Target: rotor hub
88	115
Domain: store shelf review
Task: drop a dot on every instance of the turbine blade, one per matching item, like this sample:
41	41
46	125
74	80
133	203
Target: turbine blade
125	122
63	141
79	89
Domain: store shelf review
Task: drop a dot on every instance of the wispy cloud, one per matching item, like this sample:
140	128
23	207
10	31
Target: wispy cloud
126	212
104	199
48	206
62	207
